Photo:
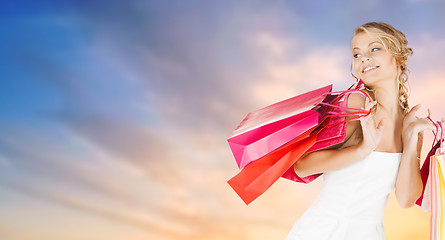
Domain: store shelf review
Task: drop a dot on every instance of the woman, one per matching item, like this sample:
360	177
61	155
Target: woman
380	152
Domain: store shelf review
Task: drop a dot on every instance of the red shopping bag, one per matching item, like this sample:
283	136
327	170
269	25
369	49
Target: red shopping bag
268	128
255	178
425	171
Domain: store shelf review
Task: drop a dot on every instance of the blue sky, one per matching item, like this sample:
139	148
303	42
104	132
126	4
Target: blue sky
115	114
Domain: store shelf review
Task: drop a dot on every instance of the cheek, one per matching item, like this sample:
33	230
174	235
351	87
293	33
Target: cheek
388	59
355	67
392	64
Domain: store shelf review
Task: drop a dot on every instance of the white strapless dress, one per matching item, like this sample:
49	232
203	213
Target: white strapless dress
351	202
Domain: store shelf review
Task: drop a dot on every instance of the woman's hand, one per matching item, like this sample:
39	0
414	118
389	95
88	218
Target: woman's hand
413	125
371	133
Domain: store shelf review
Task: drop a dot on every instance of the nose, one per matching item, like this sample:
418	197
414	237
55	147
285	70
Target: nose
365	58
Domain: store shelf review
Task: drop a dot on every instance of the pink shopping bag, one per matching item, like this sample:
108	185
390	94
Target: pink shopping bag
268	128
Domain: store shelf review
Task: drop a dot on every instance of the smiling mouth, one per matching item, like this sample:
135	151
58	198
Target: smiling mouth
367	69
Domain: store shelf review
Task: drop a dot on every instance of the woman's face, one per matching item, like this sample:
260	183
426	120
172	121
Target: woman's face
371	61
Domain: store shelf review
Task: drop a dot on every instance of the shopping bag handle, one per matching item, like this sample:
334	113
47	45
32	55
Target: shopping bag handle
358	112
434	132
438	125
347	92
358	116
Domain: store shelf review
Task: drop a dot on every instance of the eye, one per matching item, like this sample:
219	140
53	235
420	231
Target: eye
375	49
356	55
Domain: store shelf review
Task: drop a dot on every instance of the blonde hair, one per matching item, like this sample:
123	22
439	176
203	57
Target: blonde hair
394	42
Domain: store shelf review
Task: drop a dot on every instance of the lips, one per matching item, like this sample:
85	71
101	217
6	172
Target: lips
369	68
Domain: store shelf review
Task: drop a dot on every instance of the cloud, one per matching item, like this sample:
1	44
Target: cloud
124	198
313	70
147	114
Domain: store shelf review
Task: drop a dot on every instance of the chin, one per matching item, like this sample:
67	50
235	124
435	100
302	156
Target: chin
370	81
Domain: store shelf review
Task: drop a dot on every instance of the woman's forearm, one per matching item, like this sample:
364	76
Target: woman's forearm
328	160
409	182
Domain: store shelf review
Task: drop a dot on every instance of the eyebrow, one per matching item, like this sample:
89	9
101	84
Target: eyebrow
368	45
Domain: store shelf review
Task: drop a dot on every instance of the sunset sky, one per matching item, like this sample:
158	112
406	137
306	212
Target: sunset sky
114	115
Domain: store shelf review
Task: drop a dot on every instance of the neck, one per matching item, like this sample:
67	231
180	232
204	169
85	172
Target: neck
386	93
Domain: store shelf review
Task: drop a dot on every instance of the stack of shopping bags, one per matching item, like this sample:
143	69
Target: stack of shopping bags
268	141
433	197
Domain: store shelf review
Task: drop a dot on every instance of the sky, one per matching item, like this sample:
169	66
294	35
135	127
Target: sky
114	115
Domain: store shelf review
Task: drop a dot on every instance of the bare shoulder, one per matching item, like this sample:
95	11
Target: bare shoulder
353	128
356	100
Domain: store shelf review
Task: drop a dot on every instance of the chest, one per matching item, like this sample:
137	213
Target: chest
391	140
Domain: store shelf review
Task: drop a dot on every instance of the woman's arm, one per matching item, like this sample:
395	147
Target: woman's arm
328	160
341	155
409	184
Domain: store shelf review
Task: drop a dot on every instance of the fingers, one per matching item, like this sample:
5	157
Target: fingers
363	121
429	118
435	124
369	105
430	125
424	124
414	110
